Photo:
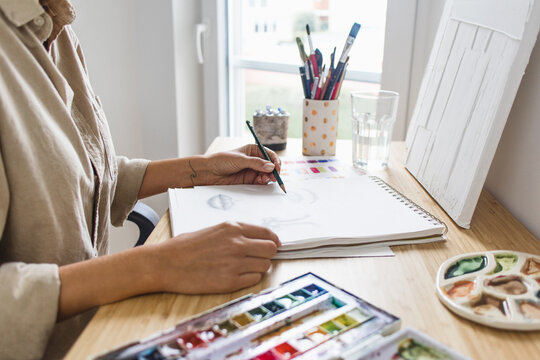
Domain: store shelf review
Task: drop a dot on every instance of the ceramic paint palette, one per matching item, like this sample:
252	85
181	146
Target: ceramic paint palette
303	318
409	344
500	289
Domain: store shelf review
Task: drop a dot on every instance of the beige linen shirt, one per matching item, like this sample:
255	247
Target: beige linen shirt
61	184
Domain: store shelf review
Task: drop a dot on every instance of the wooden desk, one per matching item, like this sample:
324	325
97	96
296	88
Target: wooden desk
402	285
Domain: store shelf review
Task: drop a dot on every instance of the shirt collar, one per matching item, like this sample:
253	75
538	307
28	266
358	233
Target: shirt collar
20	12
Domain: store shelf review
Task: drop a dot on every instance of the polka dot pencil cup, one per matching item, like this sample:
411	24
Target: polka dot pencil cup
319	127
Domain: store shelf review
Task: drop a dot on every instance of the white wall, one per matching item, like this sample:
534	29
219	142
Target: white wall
132	49
514	177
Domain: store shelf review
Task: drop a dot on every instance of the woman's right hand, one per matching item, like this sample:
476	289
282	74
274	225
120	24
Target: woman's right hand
222	258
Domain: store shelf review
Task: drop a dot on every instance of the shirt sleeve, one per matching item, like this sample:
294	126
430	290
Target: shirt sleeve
129	181
28	298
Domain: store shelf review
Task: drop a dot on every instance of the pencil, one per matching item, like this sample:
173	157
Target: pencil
278	178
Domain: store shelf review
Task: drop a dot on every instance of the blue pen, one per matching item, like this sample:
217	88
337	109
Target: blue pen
304	81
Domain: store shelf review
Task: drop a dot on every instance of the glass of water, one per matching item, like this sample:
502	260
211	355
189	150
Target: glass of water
373	118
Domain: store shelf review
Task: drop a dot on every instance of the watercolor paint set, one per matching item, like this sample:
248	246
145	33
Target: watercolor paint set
500	288
316	167
304	318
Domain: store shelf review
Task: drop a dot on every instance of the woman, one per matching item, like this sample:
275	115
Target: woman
61	185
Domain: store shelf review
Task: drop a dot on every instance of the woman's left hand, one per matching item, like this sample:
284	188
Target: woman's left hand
245	165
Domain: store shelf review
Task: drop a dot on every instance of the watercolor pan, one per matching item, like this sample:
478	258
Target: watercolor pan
294	319
494	288
406	344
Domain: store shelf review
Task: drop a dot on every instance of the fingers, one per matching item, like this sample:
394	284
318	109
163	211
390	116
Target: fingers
247	280
259	232
253	150
259	164
275	159
254	265
260	248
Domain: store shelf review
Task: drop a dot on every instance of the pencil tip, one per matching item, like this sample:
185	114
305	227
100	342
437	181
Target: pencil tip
307	29
283	188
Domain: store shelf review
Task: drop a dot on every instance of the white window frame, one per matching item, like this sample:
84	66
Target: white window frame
219	69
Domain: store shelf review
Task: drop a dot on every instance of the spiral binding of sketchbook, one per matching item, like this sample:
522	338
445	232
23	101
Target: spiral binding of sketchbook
411	204
316	218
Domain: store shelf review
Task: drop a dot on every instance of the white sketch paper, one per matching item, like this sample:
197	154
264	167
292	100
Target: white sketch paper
312	214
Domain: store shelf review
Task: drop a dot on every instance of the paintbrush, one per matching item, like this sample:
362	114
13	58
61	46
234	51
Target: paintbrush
336	75
332	56
337	89
301	50
312	53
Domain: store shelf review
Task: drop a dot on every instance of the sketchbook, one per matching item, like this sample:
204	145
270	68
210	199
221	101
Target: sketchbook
316	218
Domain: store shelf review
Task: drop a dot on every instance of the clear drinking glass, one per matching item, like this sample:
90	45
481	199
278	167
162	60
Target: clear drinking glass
373	118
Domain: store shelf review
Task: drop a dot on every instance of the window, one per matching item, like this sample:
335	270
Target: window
261	59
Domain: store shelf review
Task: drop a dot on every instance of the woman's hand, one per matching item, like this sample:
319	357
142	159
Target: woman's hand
221	258
245	165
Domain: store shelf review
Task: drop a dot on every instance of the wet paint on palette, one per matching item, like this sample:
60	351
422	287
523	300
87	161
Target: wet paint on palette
508	284
466	266
489	305
490	287
531	266
461	289
505	262
530	309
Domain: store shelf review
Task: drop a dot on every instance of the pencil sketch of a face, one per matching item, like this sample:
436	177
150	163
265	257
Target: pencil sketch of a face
221	202
276	223
302	196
